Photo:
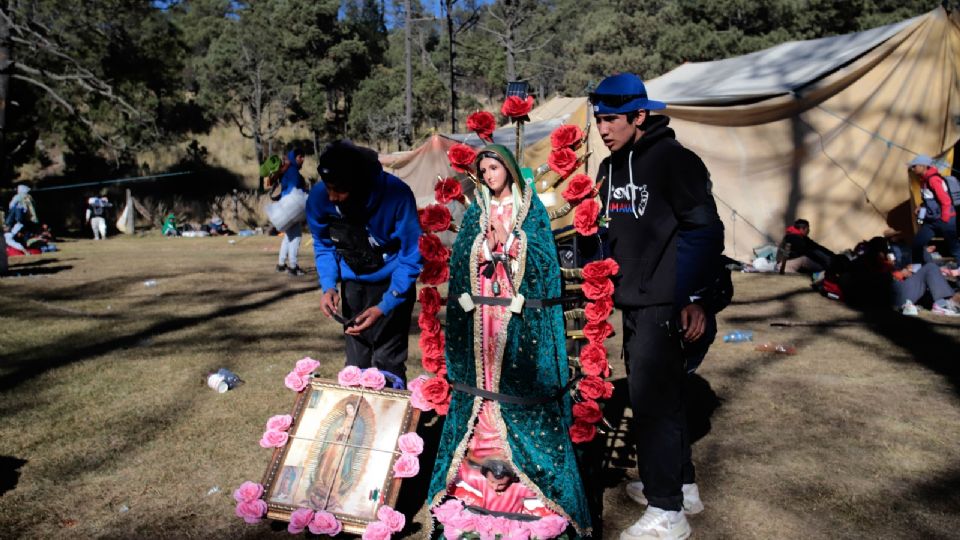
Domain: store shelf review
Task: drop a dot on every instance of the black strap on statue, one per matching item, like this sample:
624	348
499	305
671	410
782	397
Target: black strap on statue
528	303
514	400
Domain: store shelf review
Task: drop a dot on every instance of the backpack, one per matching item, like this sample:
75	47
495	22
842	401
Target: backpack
953	188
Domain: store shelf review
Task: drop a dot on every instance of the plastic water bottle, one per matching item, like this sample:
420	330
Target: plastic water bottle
150	283
738	336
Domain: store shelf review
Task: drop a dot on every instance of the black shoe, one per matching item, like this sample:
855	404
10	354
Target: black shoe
295	271
281	268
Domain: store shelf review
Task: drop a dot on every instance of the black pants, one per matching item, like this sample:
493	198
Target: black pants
383	345
656	377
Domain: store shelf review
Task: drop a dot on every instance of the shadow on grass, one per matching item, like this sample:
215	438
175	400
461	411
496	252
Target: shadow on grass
10	472
66	351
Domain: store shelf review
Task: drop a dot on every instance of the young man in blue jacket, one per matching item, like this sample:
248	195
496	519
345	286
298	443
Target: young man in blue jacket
365	232
666	235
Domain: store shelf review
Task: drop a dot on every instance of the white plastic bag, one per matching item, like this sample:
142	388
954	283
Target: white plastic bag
290	209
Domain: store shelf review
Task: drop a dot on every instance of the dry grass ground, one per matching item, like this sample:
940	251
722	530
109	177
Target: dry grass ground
107	430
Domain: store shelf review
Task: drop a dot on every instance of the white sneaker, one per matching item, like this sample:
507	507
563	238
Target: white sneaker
658	524
691	496
635	492
909	309
691	499
941	309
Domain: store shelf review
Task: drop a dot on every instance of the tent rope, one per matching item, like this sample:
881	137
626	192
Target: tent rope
890	144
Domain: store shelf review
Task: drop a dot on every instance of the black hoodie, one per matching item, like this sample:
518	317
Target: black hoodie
656	192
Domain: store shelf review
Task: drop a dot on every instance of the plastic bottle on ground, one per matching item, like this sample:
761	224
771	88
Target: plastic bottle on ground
738	336
777	348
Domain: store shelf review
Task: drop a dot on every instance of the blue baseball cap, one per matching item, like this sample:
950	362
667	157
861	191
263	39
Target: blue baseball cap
621	94
921	159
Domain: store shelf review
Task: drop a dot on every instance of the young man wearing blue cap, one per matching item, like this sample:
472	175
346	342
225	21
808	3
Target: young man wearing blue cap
939	216
665	233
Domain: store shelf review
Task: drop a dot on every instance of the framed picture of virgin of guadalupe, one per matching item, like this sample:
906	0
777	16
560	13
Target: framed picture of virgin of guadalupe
340	454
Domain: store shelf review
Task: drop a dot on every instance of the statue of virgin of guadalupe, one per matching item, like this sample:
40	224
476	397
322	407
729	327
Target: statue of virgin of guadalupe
505	448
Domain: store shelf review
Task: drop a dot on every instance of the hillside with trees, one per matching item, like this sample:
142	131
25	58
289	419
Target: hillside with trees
85	92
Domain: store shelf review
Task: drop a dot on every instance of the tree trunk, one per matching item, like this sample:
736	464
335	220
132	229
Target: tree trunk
511	69
453	76
408	80
6	65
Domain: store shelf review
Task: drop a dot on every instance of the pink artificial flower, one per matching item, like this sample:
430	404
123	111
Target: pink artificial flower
295	381
325	523
486	526
416	394
349	376
464	521
377	531
299	520
517	532
391	518
452	534
306	366
407	466
447	511
410	443
248	491
372	378
274	439
251	511
547	527
280	422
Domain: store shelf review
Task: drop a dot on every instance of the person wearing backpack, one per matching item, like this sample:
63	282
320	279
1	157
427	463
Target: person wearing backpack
936	214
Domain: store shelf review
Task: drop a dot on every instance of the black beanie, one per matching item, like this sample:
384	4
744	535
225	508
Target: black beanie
344	166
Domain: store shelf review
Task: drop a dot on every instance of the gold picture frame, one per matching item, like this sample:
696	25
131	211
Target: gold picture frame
340	454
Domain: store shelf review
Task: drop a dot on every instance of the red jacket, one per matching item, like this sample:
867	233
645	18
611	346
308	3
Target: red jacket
933	181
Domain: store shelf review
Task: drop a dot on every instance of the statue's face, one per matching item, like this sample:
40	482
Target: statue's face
498	484
493	173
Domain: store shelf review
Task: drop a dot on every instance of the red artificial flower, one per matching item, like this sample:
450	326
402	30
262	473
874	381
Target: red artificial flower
428	323
593	360
597	331
579	187
566	136
483	123
437	393
593	387
429	300
581	432
448	189
563	161
516	108
434	364
434	218
599	310
598	270
594	290
434	273
432	248
431	344
585	217
461	157
587	411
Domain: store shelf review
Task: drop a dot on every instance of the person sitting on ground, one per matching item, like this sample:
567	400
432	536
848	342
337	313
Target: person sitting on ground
803	254
216	227
911	284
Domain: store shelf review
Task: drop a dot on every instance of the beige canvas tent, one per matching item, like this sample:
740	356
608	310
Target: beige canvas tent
820	129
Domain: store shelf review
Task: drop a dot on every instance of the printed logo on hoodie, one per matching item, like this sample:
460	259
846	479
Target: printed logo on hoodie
628	199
